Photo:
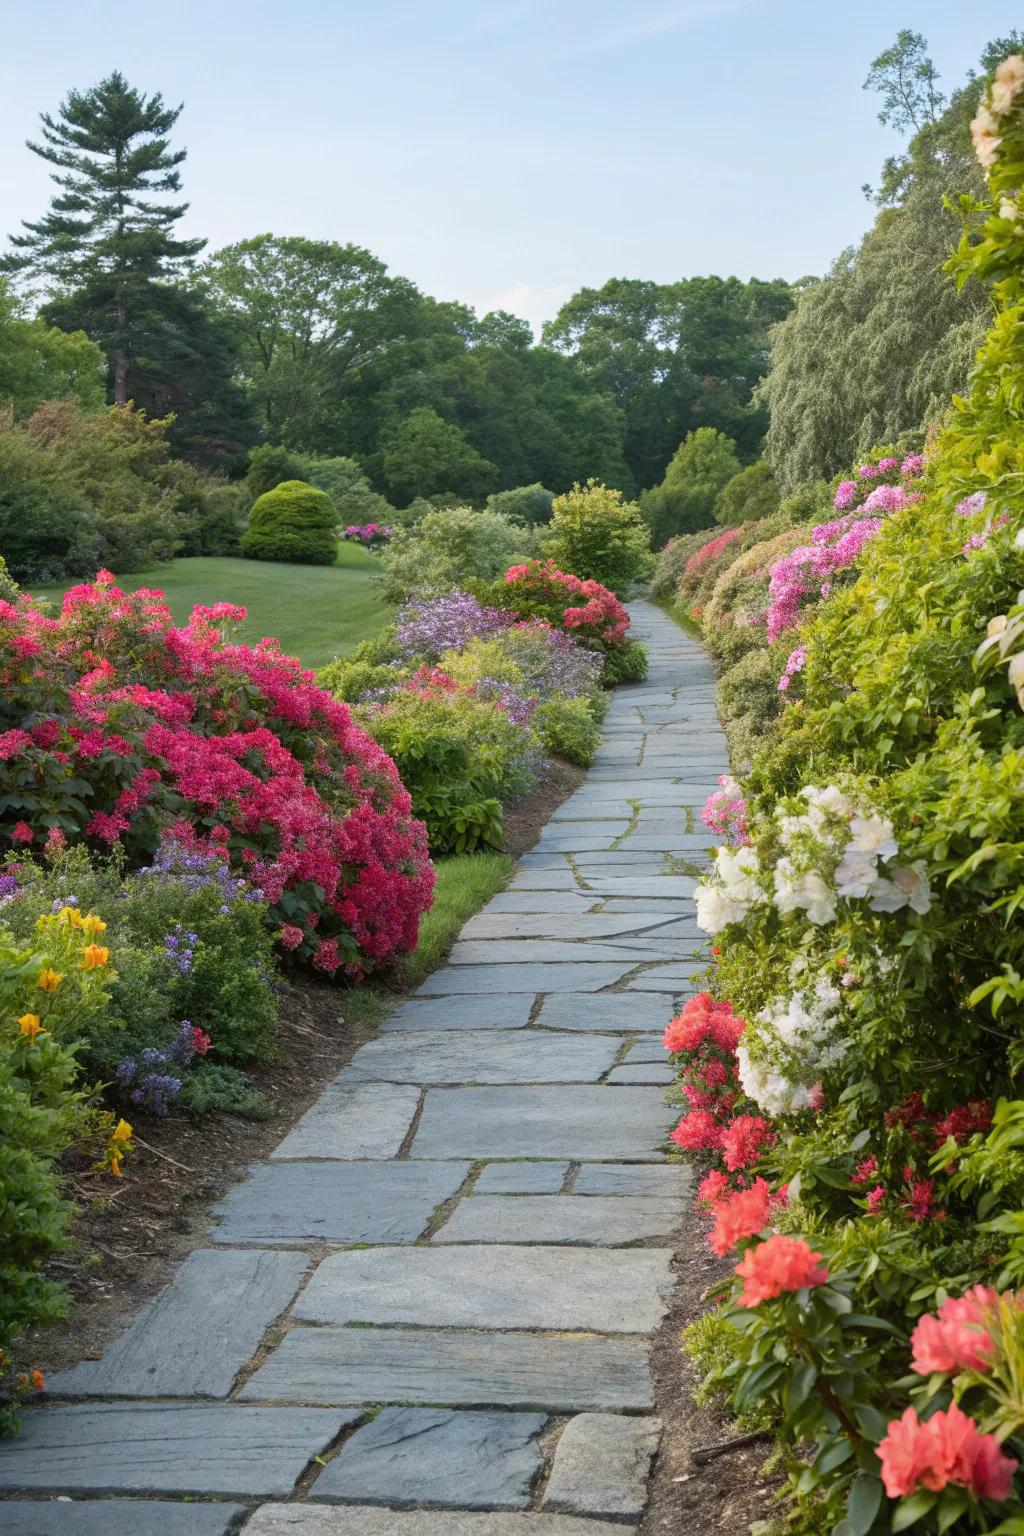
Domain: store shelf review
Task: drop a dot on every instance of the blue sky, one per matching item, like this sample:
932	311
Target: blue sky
505	154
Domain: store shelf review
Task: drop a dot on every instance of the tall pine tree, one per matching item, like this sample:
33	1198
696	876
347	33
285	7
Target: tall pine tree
107	239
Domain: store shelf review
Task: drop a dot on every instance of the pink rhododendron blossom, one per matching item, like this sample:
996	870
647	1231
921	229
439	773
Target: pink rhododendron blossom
957	1338
947	1448
777	1265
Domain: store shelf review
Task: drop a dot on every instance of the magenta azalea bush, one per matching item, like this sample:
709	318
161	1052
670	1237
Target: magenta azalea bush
120	726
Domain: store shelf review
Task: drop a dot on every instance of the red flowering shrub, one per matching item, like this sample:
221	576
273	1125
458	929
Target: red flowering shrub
117	725
710	553
591	612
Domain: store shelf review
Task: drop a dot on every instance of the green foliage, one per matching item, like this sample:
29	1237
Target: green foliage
40	362
567	729
449	549
625	663
293	522
269	465
46	530
458	757
464	883
425	454
355	500
748	497
671	562
226	989
599	536
686	499
349	679
212	1087
42	1114
530	505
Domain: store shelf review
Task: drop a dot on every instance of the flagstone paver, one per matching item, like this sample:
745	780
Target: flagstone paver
441	1289
435	1457
543	1371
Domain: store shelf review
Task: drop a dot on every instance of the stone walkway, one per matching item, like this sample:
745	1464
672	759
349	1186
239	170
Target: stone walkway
439	1292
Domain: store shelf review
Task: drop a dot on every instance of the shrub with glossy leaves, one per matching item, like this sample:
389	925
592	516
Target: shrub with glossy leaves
599	536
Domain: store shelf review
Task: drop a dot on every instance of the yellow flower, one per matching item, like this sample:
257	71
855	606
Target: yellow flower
69	915
93	956
30	1026
122	1131
50	980
93	924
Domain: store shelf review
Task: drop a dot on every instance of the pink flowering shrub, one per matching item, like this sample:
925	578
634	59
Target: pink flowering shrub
369	535
121	726
586	609
725	811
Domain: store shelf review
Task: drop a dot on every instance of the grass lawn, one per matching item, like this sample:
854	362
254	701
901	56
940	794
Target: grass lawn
316	611
464	883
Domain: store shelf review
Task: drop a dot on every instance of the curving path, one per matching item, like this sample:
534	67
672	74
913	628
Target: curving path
439	1292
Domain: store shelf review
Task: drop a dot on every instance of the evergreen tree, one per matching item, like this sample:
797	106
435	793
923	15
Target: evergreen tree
108	241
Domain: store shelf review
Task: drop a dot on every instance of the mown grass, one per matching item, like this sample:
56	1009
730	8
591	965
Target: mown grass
464	883
317	612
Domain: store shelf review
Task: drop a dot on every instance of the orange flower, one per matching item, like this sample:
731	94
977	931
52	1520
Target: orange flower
38	1380
94	956
776	1265
115	1165
741	1215
50	980
93	924
30	1025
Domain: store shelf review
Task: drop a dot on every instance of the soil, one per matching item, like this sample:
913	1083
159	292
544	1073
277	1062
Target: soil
128	1233
730	1491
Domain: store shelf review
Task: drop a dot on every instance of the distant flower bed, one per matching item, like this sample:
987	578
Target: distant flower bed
369	535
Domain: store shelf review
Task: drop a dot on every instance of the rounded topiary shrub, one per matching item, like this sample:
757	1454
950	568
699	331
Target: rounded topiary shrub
295	522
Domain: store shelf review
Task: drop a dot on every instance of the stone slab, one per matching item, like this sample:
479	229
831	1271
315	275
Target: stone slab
357	1520
436	1458
297	1203
474	1370
221	1448
560	1220
601	1466
580	841
104	1517
653	1072
194	1338
611	1011
574	925
578	1122
665	906
662	887
559	902
647	1050
669	1180
503	952
483	1056
592	1290
430	1013
531	977
669	979
361	1120
550	879
521	1179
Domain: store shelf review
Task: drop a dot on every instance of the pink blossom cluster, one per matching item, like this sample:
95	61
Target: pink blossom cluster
795	662
370	535
725	811
539	588
141	729
706	1035
946	1449
807	569
711	551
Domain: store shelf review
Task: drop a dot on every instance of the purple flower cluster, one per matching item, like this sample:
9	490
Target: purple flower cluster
896	476
194	870
429	626
517	707
179	947
553	662
971	504
8	886
145	1078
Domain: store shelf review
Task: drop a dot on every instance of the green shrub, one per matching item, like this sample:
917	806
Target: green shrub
625	663
530	505
355	500
597	535
349	679
43	989
153	919
47	531
449	549
670	564
269	466
685	500
748	497
293	522
567	729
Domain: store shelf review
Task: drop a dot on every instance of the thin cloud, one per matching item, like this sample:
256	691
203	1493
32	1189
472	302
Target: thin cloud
674	18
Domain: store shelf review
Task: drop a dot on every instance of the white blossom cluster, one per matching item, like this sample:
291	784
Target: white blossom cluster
790	1044
835	850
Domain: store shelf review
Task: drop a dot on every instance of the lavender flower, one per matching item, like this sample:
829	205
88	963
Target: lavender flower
429	626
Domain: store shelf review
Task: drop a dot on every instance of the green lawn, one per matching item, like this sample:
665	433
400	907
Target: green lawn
317	612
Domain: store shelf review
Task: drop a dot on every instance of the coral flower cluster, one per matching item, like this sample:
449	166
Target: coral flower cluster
585	608
946	1449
